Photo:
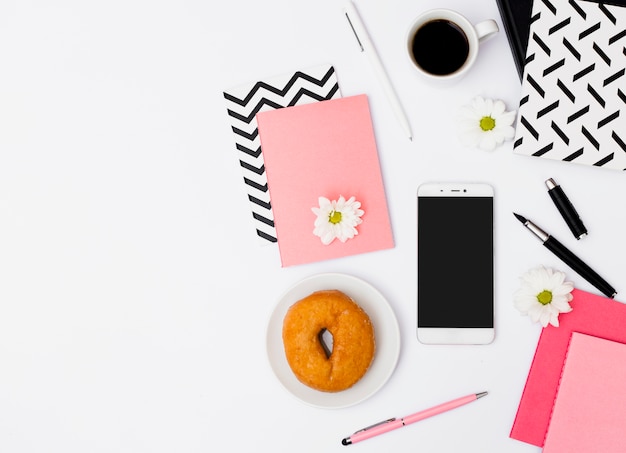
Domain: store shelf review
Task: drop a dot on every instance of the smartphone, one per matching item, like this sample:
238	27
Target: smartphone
455	263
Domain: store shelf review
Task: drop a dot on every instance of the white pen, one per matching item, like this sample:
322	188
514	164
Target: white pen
368	47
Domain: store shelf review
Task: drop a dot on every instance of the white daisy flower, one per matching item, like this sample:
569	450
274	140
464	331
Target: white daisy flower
485	123
543	295
337	219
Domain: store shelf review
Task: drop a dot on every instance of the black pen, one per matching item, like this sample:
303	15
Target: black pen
565	255
566	208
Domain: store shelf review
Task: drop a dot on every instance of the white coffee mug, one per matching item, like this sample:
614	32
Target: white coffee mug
443	45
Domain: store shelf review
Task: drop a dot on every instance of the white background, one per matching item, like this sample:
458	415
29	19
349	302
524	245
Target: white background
134	295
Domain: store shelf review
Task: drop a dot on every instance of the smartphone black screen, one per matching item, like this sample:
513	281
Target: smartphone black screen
455	262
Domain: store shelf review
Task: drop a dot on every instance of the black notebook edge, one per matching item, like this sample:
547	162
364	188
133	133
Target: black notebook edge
515	15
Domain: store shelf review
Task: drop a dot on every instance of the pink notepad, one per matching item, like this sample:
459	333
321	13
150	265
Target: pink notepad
593	315
589	413
324	149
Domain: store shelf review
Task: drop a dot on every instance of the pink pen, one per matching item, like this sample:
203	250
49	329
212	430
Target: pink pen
394	423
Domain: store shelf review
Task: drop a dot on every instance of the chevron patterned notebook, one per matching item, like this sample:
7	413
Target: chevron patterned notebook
244	102
573	101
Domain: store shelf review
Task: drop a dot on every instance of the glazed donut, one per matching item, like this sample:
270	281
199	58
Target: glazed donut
353	341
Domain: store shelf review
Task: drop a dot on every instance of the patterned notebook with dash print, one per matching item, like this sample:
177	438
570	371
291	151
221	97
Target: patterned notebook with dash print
573	101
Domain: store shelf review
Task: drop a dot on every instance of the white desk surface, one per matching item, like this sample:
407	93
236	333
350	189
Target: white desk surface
134	295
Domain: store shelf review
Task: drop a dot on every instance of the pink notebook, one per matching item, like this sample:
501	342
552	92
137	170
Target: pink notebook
592	315
590	409
324	149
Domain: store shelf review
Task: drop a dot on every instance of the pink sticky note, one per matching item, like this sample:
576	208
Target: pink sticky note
325	149
592	315
590	406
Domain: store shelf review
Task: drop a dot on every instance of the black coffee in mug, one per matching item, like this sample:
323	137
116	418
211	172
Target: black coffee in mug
440	47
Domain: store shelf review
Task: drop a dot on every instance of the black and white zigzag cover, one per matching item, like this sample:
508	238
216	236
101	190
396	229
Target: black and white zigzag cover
244	102
573	102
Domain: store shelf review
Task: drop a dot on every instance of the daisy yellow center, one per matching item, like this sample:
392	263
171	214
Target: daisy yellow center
544	297
334	217
487	123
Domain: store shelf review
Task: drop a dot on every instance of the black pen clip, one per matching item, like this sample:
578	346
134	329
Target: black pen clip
357	38
376	424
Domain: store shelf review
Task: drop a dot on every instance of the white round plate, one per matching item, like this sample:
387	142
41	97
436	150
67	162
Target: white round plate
386	332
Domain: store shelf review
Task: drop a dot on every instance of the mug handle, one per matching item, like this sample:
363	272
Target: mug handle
486	29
